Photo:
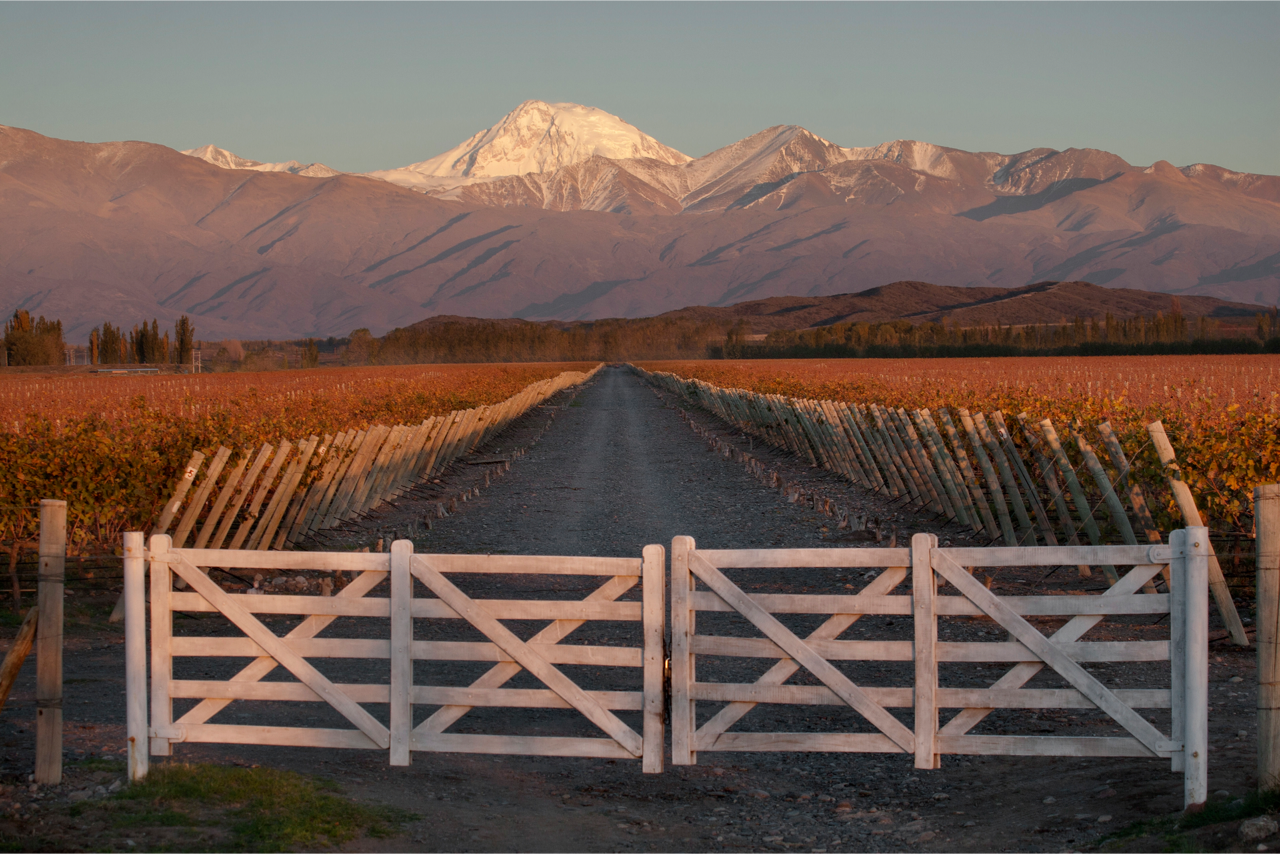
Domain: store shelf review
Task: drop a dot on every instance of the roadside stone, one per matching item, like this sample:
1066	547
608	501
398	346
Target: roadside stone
1257	829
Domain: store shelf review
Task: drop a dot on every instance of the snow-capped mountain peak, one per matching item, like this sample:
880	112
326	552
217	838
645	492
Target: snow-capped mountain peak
536	137
228	160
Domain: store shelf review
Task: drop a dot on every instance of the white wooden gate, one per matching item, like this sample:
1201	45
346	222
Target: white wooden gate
300	650
699	584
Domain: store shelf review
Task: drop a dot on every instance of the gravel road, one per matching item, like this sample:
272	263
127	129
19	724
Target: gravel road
617	468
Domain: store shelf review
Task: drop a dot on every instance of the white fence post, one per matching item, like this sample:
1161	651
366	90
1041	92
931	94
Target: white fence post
923	613
1196	713
161	646
401	651
135	654
1178	647
653	579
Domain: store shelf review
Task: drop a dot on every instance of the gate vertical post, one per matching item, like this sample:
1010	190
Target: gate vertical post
49	602
682	674
135	654
924	615
1266	516
1196	776
1178	646
401	651
653	579
161	646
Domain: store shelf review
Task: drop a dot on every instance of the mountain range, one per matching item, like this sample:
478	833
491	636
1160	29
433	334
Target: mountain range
566	212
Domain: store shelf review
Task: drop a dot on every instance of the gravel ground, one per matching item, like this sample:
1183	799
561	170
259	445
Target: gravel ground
606	470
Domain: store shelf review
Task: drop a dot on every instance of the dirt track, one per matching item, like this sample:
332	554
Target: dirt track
617	470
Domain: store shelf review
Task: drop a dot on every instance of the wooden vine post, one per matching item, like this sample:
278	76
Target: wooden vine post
17	654
1187	504
1266	515
53	561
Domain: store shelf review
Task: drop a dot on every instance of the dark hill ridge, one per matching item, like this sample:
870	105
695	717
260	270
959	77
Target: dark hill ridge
919	302
1044	302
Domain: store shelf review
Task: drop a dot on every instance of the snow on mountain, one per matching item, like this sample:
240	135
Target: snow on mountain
227	160
535	137
724	175
567	157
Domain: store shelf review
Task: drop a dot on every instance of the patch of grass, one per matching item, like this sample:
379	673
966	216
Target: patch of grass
158	818
1217	811
102	763
1171	830
265	809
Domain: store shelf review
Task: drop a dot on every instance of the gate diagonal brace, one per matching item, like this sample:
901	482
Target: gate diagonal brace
781	671
526	656
501	673
801	652
277	649
260	667
1070	632
1050	654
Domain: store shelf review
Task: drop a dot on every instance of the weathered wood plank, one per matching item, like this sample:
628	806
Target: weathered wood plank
902	698
790	742
1029	745
519	745
503	609
999	651
596	656
351	739
948	606
805	558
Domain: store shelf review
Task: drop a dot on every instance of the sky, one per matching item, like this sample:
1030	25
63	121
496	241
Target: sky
363	86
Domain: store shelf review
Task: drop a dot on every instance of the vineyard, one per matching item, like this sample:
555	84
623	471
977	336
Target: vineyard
1221	413
114	446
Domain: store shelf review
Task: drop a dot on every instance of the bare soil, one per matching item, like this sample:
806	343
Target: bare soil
606	470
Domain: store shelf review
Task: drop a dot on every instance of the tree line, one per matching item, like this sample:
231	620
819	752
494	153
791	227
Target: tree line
526	341
32	342
40	342
142	345
1162	334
